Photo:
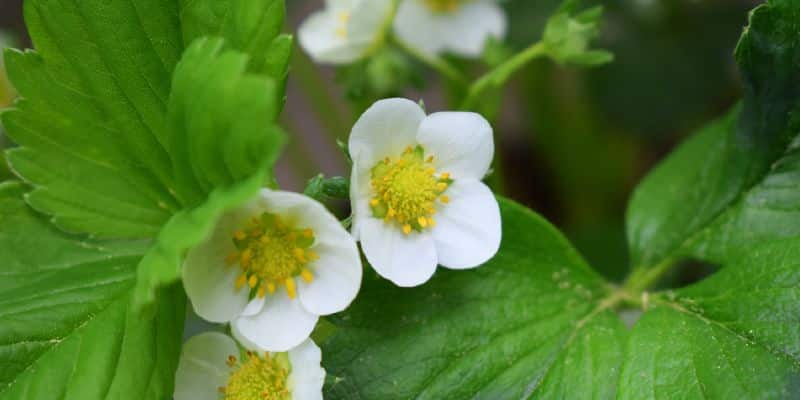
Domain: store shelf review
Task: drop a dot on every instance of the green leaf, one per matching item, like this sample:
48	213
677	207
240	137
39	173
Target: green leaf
567	36
250	26
161	266
93	126
735	335
531	322
66	330
734	184
211	93
94	94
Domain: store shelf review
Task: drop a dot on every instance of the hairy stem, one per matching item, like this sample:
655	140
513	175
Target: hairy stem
497	77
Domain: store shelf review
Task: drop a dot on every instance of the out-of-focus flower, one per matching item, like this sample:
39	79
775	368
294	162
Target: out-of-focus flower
271	268
416	190
460	27
346	30
213	367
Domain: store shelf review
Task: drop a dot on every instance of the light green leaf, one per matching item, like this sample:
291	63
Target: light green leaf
250	26
531	322
95	93
66	330
212	93
735	183
93	125
735	335
567	36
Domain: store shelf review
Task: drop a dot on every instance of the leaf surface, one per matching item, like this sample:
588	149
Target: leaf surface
528	323
66	328
735	183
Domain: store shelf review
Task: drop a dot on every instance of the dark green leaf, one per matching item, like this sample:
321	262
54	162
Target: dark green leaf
530	322
735	335
66	330
735	183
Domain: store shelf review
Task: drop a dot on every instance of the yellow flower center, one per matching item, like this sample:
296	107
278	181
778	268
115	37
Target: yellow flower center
257	378
271	254
407	190
443	6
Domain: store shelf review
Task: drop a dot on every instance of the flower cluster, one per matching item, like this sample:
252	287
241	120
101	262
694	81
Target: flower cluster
349	30
274	265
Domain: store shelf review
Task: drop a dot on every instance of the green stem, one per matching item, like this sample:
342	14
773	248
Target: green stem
439	64
642	278
497	77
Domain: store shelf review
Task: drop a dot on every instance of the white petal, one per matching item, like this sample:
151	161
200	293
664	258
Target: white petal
461	142
337	277
463	32
368	20
406	260
254	306
385	129
209	282
359	195
282	324
468	229
318	36
472	25
202	369
418	27
307	376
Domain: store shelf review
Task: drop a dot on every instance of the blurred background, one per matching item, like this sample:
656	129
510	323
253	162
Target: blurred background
572	143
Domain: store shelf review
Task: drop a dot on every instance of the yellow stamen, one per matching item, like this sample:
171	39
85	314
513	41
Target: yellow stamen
241	281
444	199
271	253
258	377
290	288
299	254
431	222
307	276
406	189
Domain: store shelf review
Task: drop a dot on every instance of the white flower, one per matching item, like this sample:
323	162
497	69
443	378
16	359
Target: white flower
416	190
271	268
457	26
346	30
213	367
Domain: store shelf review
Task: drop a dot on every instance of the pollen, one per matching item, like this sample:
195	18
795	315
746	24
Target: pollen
271	254
257	377
407	189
